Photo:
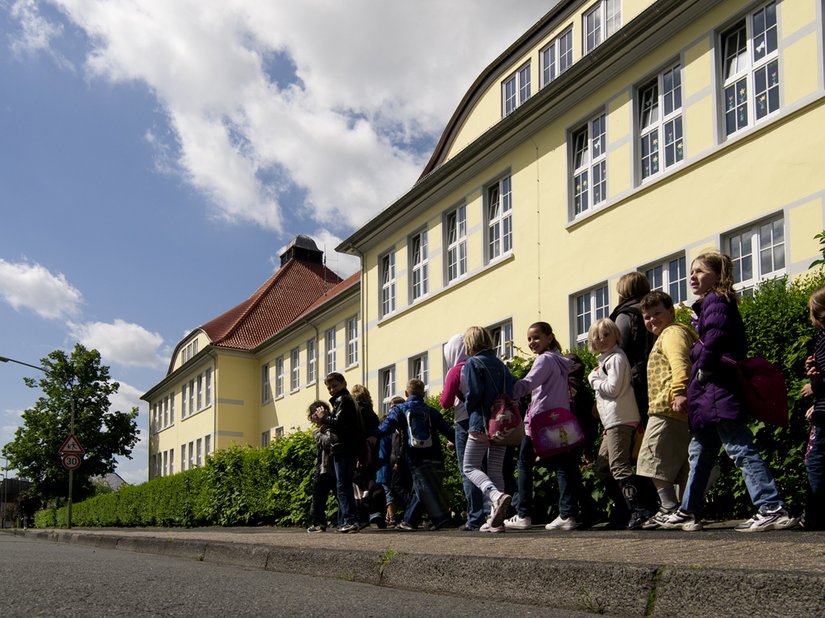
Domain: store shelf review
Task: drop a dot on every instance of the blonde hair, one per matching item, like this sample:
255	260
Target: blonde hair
816	303
361	395
722	266
476	339
632	285
602	327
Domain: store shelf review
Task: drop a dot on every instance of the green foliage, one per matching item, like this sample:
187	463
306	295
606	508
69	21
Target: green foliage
80	381
820	262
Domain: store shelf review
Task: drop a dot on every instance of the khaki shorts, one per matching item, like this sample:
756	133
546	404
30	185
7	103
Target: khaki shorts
664	452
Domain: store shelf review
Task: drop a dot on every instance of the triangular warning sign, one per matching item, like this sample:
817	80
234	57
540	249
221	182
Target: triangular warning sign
71	447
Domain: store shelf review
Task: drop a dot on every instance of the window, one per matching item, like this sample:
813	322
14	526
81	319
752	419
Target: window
669	276
166	411
183	402
266	392
192	408
456	241
266	438
279	376
750	71
503	339
171	461
758	253
182	457
279	431
589	307
589	165
386	380
515	90
207	445
352	341
419	368
199	459
330	340
499	219
418	263
189	351
172	408
191	455
312	361
294	369
165	463
200	391
557	57
603	20
209	387
660	122
387	263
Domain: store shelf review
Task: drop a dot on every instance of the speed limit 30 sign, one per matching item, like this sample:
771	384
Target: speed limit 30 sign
71	461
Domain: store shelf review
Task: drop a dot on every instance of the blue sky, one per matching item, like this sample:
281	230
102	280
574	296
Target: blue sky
157	155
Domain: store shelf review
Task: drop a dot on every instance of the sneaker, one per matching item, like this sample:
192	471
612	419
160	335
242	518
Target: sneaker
498	510
638	519
405	527
390	521
486	527
517	522
775	519
561	523
349	528
680	520
657	520
316	528
467	528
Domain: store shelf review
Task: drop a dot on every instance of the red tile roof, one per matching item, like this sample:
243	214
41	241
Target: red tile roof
288	293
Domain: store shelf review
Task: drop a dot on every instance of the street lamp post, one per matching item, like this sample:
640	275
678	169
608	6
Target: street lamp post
4	359
5	493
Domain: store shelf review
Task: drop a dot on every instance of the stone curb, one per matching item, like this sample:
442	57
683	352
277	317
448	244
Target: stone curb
612	588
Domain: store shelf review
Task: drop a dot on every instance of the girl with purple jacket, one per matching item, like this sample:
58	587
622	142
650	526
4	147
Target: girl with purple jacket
814	518
716	409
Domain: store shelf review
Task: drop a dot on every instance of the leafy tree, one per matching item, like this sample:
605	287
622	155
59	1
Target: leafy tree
104	435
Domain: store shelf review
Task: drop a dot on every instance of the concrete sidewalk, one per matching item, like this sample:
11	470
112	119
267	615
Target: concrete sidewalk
716	572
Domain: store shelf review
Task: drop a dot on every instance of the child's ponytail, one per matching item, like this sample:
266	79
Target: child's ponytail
722	265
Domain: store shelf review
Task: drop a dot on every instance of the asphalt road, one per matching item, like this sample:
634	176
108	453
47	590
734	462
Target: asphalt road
41	578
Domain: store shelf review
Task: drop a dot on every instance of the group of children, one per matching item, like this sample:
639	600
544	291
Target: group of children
667	395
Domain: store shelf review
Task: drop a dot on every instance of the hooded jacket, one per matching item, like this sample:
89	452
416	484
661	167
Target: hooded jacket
486	377
455	388
614	394
547	380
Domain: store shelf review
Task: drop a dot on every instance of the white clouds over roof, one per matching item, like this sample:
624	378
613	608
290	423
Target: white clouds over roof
32	286
120	342
339	101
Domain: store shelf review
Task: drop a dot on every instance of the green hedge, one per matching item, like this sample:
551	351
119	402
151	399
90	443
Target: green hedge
273	485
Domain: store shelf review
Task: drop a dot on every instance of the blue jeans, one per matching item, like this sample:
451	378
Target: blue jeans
568	475
737	439
344	474
429	494
475	499
815	466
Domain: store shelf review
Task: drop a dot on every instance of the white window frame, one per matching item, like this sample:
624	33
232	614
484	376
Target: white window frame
294	369
588	156
386	265
191	455
669	275
192	408
557	57
182	457
208	379
499	218
758	250
386	382
207	445
279	377
165	463
200	391
352	341
172	407
312	361
183	401
266	389
502	334
660	123
515	89
279	431
455	227
750	82
330	358
166	412
171	461
587	307
600	22
420	368
199	452
419	265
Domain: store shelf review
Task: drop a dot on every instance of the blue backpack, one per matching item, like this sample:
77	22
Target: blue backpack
419	427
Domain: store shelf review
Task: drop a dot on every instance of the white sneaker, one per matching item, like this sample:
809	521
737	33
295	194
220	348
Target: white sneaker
560	523
517	522
498	510
486	527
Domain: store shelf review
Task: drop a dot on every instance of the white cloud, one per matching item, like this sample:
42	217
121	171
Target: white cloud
340	101
32	286
120	342
36	33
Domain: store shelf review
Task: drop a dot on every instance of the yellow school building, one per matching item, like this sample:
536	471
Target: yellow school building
614	135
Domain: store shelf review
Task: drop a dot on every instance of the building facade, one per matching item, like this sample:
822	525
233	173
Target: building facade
613	136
